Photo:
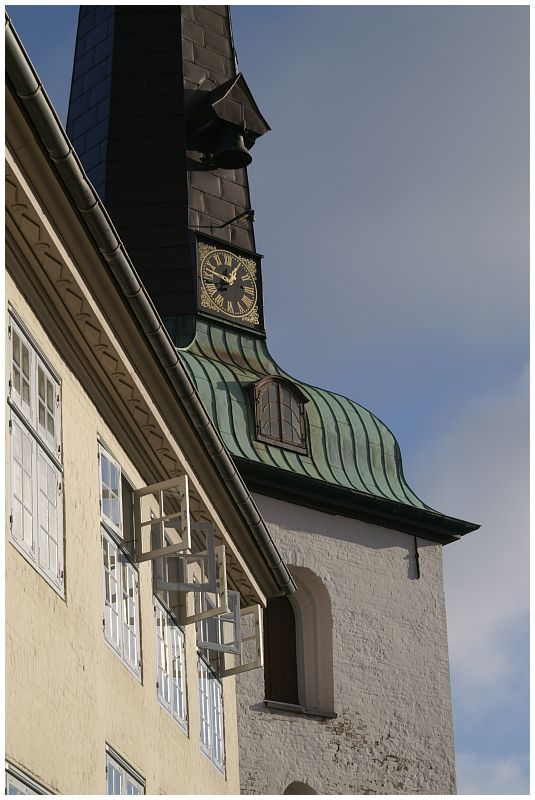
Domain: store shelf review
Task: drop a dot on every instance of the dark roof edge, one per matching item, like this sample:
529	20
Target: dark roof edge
330	499
31	93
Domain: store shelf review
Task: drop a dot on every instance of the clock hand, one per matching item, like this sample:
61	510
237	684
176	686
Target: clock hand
223	277
232	276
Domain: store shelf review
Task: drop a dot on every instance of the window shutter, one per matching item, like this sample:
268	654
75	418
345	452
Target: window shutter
280	673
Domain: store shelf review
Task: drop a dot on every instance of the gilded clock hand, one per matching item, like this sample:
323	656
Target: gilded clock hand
232	276
223	277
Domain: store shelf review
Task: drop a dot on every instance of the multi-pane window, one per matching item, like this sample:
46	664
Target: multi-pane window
16	786
164	571
120	577
171	682
17	782
120	778
46	405
280	416
22	369
110	491
35	458
211	714
221	632
112	611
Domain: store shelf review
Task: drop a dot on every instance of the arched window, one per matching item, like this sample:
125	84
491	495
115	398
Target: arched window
298	658
280	658
280	414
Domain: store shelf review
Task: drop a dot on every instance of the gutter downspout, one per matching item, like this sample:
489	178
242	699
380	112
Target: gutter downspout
35	101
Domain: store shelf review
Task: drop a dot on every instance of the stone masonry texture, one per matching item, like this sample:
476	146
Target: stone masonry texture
393	729
217	196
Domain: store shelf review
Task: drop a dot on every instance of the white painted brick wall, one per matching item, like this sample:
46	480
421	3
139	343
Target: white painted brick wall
393	733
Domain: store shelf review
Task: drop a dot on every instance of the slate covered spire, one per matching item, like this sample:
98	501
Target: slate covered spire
141	74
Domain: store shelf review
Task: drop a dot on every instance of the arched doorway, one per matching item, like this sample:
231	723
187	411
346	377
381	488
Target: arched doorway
298	787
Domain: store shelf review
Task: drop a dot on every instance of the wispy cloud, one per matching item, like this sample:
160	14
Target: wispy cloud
479	775
479	469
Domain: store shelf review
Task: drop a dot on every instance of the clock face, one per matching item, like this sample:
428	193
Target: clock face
228	284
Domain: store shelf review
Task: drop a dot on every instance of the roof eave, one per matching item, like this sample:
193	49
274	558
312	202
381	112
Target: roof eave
317	494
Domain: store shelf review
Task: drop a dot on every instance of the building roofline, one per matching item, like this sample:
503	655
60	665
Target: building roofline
331	499
33	98
365	482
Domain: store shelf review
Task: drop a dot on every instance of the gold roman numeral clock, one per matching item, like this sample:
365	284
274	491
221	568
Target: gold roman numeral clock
229	284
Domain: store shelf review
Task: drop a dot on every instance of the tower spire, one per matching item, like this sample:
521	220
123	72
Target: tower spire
156	109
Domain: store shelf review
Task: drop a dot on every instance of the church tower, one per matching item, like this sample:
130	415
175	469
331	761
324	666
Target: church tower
354	697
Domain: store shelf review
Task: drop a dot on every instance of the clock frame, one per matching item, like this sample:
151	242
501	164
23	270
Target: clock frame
229	283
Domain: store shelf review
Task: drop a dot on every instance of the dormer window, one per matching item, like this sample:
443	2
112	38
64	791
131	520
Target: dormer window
280	414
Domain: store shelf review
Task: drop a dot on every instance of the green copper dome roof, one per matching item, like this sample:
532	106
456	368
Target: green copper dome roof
348	445
349	448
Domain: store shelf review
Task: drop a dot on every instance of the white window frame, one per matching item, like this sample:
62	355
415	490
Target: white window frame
21	781
127	775
180	521
183	550
205	559
213	631
27	410
104	455
46	517
211	714
126	572
225	635
185	558
125	630
171	650
51	439
232	663
207	604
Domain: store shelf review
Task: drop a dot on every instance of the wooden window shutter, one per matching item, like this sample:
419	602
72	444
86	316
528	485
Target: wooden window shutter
280	658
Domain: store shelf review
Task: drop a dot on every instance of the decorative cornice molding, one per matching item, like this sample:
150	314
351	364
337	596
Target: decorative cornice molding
58	277
66	285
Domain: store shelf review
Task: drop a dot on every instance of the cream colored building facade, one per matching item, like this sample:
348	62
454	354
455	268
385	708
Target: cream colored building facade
99	697
70	695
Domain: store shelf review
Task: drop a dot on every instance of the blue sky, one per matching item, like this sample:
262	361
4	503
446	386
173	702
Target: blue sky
392	202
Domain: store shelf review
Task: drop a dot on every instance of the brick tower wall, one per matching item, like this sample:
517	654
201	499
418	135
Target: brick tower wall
393	729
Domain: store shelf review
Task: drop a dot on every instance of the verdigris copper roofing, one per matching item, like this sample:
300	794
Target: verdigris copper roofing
354	462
